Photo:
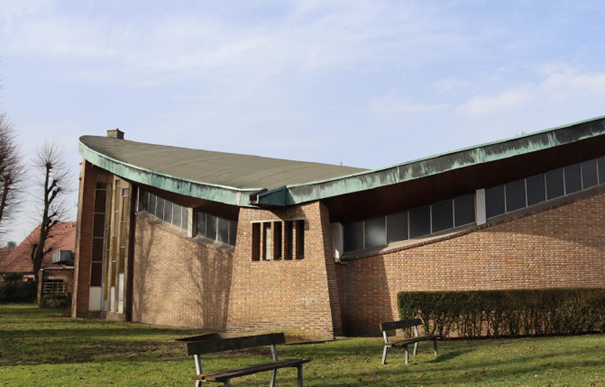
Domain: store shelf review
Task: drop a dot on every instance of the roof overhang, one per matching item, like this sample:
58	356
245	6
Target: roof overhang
516	147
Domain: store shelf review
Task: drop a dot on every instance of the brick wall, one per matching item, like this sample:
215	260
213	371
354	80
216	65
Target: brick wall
558	247
83	253
183	282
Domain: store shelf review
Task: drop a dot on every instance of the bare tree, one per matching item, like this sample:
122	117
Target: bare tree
53	179
12	173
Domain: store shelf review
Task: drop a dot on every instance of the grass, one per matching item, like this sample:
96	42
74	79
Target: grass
46	348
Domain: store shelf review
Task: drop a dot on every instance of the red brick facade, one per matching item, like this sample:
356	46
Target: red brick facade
559	247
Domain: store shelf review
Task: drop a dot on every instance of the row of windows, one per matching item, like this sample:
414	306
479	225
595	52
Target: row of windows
166	210
415	223
216	228
545	186
273	241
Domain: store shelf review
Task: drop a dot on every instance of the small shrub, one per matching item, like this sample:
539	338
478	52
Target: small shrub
56	301
18	291
500	313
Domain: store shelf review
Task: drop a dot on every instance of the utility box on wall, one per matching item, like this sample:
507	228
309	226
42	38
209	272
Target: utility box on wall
65	257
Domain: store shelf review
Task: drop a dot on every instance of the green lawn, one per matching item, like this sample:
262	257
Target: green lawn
45	348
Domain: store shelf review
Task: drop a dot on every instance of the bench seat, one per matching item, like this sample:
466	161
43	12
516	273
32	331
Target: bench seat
411	340
222	376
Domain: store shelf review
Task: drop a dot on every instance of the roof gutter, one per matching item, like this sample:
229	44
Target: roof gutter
416	169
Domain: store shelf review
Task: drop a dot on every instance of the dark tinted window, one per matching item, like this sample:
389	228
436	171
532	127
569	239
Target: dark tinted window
464	208
443	216
353	236
515	195
168	211
375	232
100	201
589	174
573	181
223	230
232	232
397	227
211	226
152	204
420	222
184	218
159	212
554	184
494	201
201	223
536	191
176	215
601	164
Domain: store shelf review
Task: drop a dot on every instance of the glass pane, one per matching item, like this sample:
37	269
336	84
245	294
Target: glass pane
573	181
420	222
97	250
554	184
201	224
211	226
494	201
145	201
536	191
589	174
397	227
168	211
464	207
152	204
99	225
443	216
601	167
185	218
159	211
96	273
100	201
353	236
232	232
176	215
375	232
515	195
223	230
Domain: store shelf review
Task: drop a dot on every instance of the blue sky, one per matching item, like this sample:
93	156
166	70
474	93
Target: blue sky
368	83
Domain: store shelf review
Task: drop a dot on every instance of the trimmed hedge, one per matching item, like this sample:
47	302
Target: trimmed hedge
56	301
500	313
18	292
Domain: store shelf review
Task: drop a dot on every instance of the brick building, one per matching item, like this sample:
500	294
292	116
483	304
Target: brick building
195	238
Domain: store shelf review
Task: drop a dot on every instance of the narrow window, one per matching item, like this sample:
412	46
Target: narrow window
267	241
200	228
300	239
601	167
160	208
353	236
277	240
375	232
573	181
464	208
397	227
184	218
256	241
420	222
536	190
211	227
554	184
176	215
288	239
168	211
515	195
223	230
232	232
152	204
589	174
494	201
443	216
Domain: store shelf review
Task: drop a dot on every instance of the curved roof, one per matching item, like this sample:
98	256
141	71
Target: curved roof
246	180
205	174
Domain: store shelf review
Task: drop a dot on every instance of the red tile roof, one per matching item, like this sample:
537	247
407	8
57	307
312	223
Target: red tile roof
63	237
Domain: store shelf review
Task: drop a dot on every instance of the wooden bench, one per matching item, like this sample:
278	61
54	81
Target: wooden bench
403	324
216	342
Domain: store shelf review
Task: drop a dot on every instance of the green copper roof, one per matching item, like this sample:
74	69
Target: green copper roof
399	173
223	177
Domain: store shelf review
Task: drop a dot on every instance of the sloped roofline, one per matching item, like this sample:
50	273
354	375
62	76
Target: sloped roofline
432	165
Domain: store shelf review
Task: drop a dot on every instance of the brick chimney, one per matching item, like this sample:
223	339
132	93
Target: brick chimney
115	133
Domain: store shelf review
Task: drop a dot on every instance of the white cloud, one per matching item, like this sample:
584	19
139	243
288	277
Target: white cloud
506	100
393	104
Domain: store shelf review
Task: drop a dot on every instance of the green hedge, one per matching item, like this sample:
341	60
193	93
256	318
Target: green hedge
18	292
501	313
56	301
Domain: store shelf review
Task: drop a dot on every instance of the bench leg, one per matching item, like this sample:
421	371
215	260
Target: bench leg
273	375
300	376
435	346
415	349
198	383
228	383
384	355
407	355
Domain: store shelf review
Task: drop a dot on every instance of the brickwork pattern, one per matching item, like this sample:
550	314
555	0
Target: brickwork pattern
560	247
